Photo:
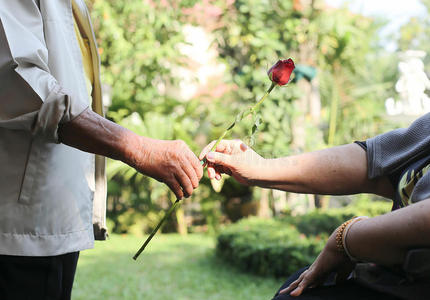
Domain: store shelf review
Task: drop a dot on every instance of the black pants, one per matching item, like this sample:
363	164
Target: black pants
37	278
349	290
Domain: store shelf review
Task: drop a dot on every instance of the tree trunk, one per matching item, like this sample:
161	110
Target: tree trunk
180	218
181	225
263	205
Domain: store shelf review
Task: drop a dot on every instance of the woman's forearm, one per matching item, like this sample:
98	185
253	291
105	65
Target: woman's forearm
338	171
386	239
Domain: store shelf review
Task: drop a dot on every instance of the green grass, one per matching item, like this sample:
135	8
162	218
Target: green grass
172	267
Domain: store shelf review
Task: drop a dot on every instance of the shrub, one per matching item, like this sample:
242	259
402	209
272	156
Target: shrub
281	246
267	247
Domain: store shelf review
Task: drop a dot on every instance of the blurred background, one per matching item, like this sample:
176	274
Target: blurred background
182	69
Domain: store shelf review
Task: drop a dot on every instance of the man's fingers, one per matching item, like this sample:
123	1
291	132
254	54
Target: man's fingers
176	188
191	173
185	182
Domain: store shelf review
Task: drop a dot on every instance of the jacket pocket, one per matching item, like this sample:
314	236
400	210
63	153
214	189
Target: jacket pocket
30	174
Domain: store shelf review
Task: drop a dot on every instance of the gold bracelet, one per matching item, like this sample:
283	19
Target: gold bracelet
341	233
345	234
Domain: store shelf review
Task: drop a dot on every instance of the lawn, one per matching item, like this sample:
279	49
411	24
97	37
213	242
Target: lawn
172	267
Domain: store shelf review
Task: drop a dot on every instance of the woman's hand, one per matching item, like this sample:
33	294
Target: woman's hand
328	261
234	158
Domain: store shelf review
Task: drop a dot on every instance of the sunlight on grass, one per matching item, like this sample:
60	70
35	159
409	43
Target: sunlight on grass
172	267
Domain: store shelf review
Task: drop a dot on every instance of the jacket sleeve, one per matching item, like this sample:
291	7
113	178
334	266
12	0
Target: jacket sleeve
31	99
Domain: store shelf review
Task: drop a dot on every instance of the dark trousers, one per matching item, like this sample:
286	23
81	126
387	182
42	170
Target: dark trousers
37	278
349	290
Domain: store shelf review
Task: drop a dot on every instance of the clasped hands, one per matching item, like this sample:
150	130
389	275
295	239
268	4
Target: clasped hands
173	163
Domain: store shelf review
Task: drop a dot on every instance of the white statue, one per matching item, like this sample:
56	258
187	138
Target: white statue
411	86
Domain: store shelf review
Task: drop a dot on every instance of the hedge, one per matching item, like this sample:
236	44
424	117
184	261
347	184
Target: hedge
267	247
279	247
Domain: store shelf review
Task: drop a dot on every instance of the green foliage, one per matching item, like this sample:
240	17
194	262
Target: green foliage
267	247
257	35
281	246
414	34
326	221
139	42
355	74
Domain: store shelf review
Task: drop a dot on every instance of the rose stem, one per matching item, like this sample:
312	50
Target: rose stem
250	112
168	213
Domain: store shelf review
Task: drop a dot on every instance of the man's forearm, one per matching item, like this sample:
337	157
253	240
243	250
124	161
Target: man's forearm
171	162
337	171
92	133
386	239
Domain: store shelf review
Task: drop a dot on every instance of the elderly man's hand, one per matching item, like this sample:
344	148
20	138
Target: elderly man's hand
171	162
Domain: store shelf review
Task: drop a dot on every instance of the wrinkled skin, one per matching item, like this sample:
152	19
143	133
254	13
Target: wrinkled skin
171	162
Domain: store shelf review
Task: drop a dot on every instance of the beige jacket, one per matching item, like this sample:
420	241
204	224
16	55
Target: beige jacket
47	189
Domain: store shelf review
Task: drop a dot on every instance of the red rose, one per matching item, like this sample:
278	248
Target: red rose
280	72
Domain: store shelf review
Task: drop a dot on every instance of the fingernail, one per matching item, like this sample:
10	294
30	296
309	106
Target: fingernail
210	156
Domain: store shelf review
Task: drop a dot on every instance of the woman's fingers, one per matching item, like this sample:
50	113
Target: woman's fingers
211	171
291	287
225	146
306	280
294	284
220	159
300	288
216	171
220	148
206	150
